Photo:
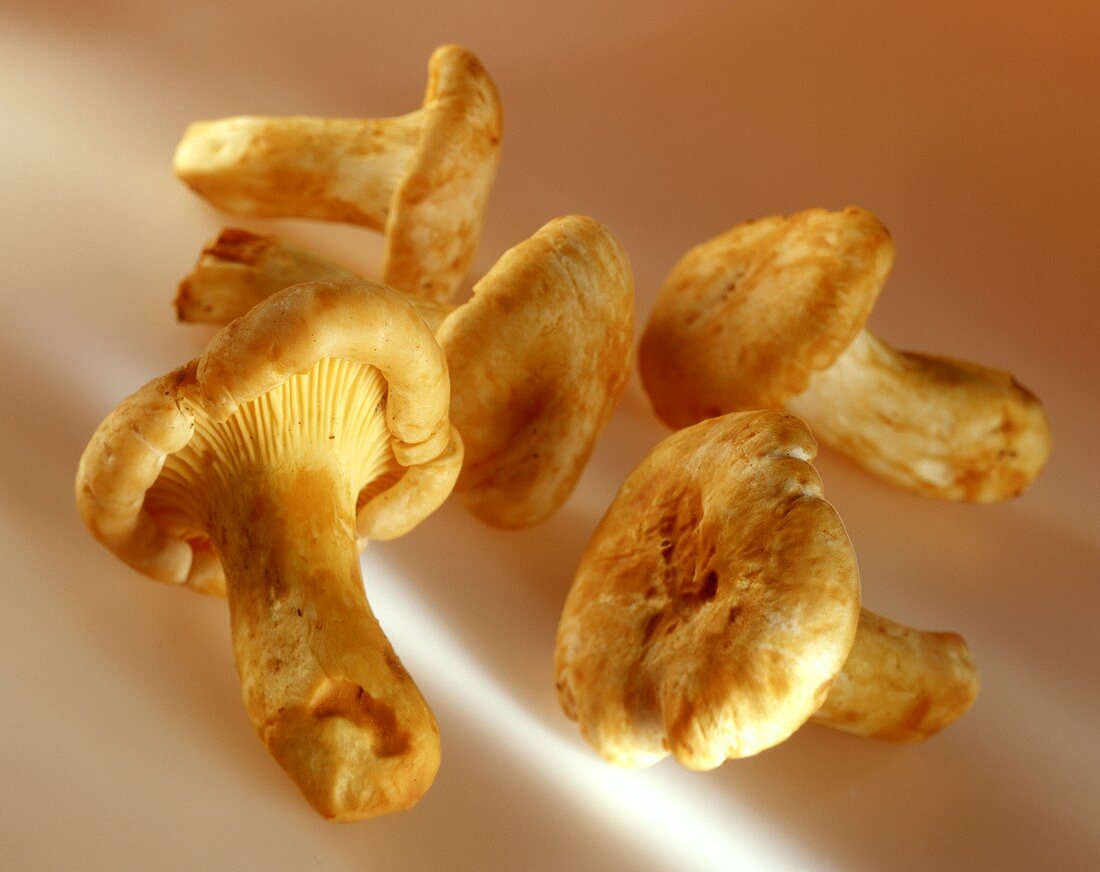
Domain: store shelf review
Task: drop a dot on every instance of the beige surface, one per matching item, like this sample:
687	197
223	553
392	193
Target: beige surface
973	135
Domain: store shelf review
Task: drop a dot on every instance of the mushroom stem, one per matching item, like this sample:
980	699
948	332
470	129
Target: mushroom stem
275	487
940	427
421	178
319	679
316	421
900	684
330	169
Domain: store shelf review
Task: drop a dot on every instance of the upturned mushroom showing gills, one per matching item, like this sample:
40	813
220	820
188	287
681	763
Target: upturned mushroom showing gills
422	178
717	608
538	357
771	315
317	420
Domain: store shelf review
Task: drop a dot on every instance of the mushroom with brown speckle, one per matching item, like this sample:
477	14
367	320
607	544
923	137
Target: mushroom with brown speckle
538	357
771	315
717	608
313	424
422	178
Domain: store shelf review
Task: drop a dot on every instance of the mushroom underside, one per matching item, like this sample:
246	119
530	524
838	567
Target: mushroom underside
273	489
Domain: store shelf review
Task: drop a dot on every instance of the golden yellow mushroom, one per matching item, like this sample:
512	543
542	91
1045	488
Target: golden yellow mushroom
313	424
538	357
422	178
717	608
771	315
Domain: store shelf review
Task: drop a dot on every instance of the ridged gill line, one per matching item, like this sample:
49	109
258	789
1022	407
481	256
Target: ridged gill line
332	415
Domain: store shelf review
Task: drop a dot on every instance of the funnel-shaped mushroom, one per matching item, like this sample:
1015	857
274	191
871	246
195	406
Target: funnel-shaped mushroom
538	357
771	314
317	419
422	178
718	602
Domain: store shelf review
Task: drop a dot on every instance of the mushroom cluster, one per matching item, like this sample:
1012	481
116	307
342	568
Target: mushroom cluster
717	607
331	410
538	357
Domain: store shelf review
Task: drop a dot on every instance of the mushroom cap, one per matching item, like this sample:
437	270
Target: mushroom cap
745	319
539	358
435	218
716	601
285	335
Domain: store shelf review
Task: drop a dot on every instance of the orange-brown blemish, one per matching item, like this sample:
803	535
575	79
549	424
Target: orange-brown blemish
346	699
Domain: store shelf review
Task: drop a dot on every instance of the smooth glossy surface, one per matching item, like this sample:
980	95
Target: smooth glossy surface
973	135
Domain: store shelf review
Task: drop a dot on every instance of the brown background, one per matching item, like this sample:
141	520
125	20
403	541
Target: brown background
972	130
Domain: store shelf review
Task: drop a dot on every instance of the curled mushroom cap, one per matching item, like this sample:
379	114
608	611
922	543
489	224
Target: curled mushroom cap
538	357
423	178
771	315
317	420
717	604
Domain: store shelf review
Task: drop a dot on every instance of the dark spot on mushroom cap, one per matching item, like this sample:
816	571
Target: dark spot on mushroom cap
184	376
395	666
326	297
682	725
704	593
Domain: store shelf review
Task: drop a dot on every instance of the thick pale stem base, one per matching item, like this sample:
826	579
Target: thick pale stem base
319	679
328	169
938	427
900	684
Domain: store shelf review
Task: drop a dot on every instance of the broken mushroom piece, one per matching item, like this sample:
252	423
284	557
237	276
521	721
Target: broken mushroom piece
317	419
717	604
239	269
538	357
771	314
422	178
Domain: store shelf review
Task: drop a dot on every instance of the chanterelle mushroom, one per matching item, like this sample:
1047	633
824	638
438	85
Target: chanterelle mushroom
538	357
423	178
318	418
770	314
716	608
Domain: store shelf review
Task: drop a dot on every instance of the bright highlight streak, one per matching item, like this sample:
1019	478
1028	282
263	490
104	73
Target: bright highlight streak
685	826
